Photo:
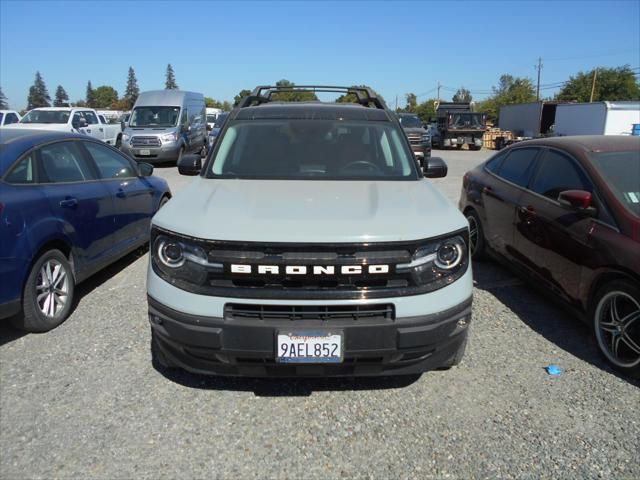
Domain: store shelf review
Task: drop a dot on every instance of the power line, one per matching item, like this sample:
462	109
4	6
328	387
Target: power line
595	55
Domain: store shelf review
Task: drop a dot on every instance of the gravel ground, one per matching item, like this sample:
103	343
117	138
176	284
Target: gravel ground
84	402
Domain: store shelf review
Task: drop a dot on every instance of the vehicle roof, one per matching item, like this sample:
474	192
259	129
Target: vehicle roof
8	111
589	143
311	111
60	109
165	97
15	141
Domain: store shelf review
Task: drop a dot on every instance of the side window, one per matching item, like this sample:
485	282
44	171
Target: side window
91	118
23	172
110	164
63	162
494	163
11	118
518	166
557	173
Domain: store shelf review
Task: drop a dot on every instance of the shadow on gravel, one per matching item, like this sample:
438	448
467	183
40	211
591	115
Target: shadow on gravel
287	387
542	315
8	333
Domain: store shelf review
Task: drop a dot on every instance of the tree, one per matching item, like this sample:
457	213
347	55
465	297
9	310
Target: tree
243	93
61	99
105	97
170	79
292	96
351	97
90	96
412	103
132	91
462	95
38	94
226	106
510	89
611	84
79	103
4	105
426	110
212	103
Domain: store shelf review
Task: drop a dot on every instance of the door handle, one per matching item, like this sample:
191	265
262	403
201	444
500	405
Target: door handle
528	210
121	193
69	202
101	129
88	130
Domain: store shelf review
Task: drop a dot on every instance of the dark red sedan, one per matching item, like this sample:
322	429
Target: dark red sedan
565	212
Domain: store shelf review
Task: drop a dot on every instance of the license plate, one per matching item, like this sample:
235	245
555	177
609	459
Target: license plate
309	347
144	152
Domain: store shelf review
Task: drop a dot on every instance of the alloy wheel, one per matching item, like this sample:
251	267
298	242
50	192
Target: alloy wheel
617	324
52	288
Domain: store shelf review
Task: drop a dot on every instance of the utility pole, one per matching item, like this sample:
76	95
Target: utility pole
439	91
593	84
396	103
539	68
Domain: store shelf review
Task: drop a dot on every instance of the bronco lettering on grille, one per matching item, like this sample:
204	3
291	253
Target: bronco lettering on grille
312	270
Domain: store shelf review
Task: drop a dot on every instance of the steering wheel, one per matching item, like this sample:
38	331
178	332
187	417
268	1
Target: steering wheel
361	165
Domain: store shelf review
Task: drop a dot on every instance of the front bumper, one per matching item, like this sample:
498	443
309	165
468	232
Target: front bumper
246	347
165	153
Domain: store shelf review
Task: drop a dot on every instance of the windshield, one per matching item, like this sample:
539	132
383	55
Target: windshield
154	117
466	120
410	121
46	116
319	149
220	120
211	118
621	170
1	116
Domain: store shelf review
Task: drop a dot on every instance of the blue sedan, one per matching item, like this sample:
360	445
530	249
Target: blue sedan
69	206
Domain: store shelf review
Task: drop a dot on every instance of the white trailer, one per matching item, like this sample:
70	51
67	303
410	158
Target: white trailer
527	119
597	118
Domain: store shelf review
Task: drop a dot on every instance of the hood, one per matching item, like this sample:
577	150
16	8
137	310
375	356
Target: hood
310	211
416	130
56	127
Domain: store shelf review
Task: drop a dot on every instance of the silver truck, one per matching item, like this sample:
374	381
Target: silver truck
309	243
164	125
70	119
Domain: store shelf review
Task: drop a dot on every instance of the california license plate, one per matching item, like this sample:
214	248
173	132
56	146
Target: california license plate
144	152
306	346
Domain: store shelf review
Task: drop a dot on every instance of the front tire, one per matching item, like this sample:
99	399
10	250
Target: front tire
616	322
48	293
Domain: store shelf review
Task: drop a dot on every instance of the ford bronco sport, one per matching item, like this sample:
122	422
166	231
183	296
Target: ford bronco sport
309	244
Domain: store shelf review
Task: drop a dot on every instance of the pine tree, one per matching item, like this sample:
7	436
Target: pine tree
90	96
61	99
132	91
170	82
4	105
38	94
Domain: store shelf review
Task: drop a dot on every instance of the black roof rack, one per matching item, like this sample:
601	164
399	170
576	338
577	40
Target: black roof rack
262	94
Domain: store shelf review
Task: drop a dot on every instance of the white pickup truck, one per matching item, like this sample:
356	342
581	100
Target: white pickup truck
78	120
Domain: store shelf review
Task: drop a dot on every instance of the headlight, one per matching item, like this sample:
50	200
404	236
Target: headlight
179	260
438	263
125	137
426	138
169	137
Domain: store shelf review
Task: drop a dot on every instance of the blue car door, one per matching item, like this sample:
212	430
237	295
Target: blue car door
78	203
133	195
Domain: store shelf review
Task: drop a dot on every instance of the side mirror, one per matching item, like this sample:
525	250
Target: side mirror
145	169
435	167
209	127
578	200
80	123
190	165
122	125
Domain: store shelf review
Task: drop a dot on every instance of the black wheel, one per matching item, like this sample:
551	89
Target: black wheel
118	141
477	242
48	293
616	322
459	146
180	154
158	359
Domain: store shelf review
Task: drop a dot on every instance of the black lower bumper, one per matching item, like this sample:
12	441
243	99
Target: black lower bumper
371	347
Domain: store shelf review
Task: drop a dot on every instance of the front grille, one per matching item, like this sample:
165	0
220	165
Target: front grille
243	311
140	141
415	138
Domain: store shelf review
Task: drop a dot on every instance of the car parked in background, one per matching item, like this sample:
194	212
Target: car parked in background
217	126
9	117
164	125
69	206
565	212
66	119
419	137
